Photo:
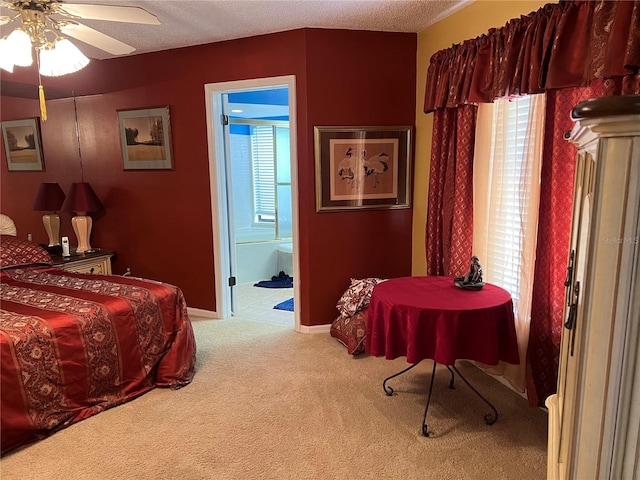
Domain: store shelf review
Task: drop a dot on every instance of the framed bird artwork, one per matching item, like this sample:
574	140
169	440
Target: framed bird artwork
362	167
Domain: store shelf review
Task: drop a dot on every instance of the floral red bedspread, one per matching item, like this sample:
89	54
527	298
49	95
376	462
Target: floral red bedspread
73	345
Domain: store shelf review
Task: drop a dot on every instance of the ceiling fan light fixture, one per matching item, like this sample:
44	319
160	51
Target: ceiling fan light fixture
42	26
61	59
6	60
20	47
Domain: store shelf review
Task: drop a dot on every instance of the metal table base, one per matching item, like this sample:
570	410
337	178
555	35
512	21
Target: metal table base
489	418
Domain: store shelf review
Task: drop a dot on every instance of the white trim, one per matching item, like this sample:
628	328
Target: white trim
450	11
314	328
216	182
200	313
219	215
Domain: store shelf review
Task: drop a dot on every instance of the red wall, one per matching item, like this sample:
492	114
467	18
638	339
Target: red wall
353	78
159	222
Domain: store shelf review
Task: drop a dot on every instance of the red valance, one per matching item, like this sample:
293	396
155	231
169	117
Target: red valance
566	44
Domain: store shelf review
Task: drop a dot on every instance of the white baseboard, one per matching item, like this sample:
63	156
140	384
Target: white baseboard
315	328
501	379
204	314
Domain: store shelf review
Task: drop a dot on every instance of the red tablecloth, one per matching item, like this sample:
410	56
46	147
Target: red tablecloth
429	317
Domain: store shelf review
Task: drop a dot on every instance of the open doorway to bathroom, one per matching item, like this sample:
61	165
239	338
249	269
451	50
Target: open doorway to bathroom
260	171
252	166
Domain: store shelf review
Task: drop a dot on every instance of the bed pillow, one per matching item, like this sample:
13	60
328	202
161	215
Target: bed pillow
351	331
7	227
15	252
357	296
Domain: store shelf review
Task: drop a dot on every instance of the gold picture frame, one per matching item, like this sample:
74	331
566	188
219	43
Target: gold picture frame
362	167
145	136
23	145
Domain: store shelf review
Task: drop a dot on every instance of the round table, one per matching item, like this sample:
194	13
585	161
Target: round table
431	318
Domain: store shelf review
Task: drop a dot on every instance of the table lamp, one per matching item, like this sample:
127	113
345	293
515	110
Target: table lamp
82	199
49	199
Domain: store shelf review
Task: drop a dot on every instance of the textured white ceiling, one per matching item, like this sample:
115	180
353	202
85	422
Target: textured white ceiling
188	22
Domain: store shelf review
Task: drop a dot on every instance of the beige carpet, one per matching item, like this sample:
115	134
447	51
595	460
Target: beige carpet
269	403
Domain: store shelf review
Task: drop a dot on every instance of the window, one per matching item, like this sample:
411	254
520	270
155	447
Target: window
513	179
260	175
271	177
506	183
264	173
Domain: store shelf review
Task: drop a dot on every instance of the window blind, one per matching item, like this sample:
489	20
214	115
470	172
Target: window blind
513	179
263	160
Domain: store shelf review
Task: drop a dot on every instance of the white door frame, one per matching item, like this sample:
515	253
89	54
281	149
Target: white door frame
217	181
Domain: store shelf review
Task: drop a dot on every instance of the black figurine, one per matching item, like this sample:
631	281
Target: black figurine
473	279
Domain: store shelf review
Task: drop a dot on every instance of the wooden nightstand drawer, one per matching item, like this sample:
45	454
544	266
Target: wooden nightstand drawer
95	265
98	263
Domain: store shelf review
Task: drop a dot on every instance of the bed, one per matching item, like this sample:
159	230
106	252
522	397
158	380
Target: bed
73	345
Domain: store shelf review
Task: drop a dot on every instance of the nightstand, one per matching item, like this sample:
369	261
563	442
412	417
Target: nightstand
98	263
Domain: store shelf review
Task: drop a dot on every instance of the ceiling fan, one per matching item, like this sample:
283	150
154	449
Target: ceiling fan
45	26
42	19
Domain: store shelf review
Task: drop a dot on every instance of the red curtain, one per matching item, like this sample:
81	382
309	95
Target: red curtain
556	49
450	211
561	45
554	229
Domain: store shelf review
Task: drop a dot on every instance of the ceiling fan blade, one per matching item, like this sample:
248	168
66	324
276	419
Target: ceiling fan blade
109	12
97	39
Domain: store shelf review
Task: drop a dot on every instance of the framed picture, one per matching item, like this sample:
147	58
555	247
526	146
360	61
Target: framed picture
362	167
22	145
145	136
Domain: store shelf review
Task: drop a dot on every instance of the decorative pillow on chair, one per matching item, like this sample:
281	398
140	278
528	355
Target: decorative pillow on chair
351	331
357	296
15	252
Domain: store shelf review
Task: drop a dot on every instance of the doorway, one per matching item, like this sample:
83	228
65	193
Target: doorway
253	177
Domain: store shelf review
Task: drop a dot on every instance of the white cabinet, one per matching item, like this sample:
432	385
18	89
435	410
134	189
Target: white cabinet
594	418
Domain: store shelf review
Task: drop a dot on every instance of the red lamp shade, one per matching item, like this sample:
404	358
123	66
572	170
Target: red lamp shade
82	198
50	198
